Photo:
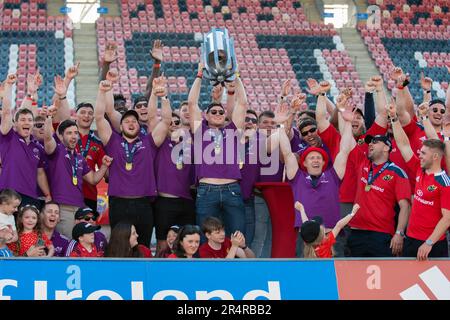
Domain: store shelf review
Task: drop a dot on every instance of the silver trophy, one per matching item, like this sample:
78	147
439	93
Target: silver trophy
219	57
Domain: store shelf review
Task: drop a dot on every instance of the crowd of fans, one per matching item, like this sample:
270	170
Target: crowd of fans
368	180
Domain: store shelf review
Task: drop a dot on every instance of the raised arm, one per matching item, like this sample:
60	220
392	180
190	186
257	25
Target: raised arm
157	56
380	102
426	83
49	140
404	100
162	128
94	177
109	57
63	110
428	127
343	102
104	97
238	116
231	98
369	104
299	206
30	102
194	94
320	90
399	134
152	110
289	158
114	116
7	117
344	221
346	146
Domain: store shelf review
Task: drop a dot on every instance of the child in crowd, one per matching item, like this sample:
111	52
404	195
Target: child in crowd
50	217
123	243
88	215
83	233
318	243
187	242
170	239
32	241
219	246
9	201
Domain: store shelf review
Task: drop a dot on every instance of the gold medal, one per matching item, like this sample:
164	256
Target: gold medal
217	150
129	166
367	187
74	181
179	165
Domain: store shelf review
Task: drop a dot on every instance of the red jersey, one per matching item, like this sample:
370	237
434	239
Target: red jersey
206	251
323	250
91	148
332	139
27	240
347	191
80	251
431	195
377	203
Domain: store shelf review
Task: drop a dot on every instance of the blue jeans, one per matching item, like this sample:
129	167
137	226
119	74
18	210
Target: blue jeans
262	241
223	202
249	232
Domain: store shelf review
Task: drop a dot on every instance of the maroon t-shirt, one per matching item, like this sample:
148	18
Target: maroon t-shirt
207	252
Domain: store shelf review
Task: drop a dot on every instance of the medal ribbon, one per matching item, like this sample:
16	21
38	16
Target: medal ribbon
85	151
129	154
370	178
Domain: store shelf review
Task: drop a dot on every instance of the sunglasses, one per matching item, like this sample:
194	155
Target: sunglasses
38	125
176	122
436	110
214	112
305	133
87	218
140	106
252	120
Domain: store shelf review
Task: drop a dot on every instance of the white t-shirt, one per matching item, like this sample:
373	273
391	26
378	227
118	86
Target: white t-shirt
6	220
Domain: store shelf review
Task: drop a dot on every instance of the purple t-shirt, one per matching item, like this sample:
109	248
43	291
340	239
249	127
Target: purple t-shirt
322	200
60	165
20	163
99	241
140	180
60	242
208	163
251	167
174	172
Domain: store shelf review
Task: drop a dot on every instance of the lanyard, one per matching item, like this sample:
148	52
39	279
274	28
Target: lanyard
129	154
371	179
85	151
74	166
217	138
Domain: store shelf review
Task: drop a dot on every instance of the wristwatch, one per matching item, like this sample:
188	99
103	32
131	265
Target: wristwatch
400	233
446	139
428	242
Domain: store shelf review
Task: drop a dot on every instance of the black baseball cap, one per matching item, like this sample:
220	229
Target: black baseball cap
437	101
379	137
358	110
129	113
140	100
83	228
84	105
310	230
82	212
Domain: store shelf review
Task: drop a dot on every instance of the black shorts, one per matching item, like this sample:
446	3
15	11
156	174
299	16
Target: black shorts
411	246
171	211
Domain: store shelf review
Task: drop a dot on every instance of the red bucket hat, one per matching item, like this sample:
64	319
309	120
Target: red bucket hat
308	151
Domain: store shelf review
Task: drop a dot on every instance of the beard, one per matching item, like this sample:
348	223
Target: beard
130	136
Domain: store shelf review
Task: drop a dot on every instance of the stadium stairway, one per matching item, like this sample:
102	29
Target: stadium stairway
113	7
85	45
54	6
311	12
359	54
